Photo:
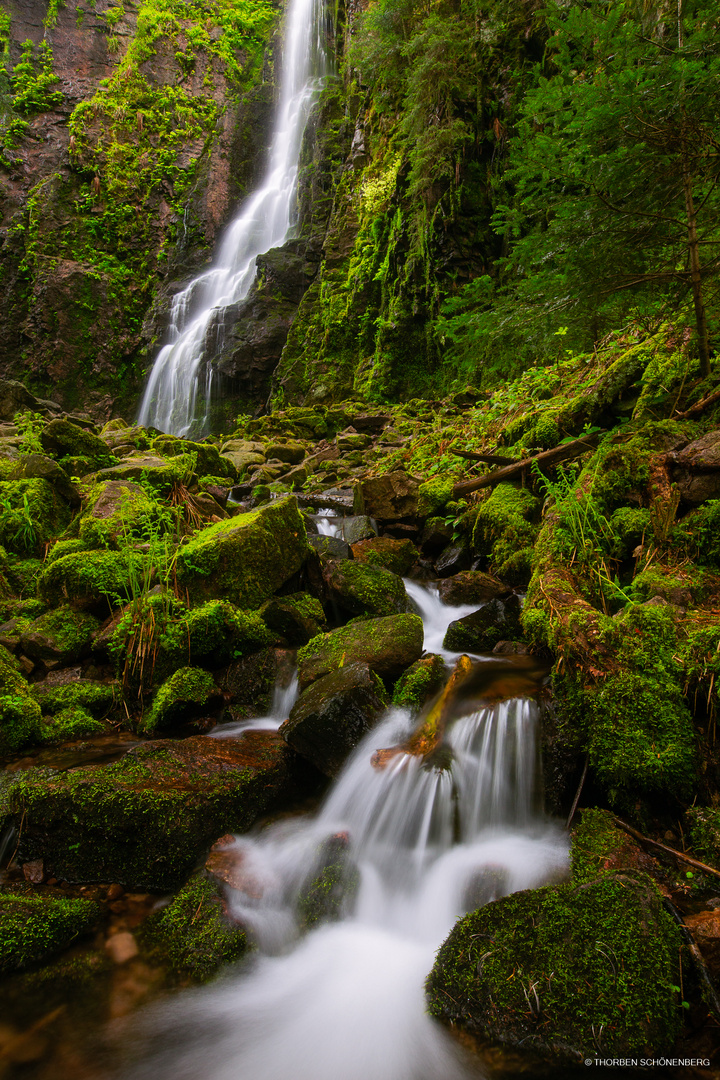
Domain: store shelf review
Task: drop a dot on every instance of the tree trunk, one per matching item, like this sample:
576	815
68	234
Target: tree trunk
694	249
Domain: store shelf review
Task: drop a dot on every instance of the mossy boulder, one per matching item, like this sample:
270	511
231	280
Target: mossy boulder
354	588
420	683
62	438
386	552
546	970
298	617
388	646
158	472
41	467
187	693
194	935
470	587
505	532
70	723
117	511
251	682
61	636
480	631
90	578
433	495
32	514
145	820
392	497
33	928
97	698
704	828
331	885
20	715
209	460
246	558
333	715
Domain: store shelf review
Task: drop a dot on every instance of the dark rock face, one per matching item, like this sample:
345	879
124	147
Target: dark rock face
697	469
470	587
333	715
391	497
480	631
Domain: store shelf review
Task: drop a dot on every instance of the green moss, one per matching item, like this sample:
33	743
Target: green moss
65	547
361	589
433	495
32	514
20	716
193	934
504	531
92	576
72	722
120	510
704	828
631	524
698	534
419	683
331	885
95	697
186	691
33	928
388	645
551	968
597	846
61	634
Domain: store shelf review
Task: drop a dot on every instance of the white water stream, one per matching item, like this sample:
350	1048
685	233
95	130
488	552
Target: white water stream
177	396
345	1001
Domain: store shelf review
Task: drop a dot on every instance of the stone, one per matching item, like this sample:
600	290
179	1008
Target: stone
386	552
243	446
246	558
292	453
470	587
388	646
188	693
355	588
61	438
144	821
88	579
33	928
14	397
34	871
62	635
330	547
20	715
117	510
454	559
391	497
250	683
331	885
159	472
697	469
480	631
40	467
420	683
298	617
122	947
357	528
333	715
242	460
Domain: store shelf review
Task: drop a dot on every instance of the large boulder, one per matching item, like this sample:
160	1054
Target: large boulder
33	513
386	552
89	578
360	589
61	636
246	558
697	469
388	646
144	821
188	693
20	715
470	587
61	438
333	715
482	629
391	497
42	467
117	510
298	617
33	928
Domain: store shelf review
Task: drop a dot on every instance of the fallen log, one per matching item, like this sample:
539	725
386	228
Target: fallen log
699	406
703	867
563	452
486	459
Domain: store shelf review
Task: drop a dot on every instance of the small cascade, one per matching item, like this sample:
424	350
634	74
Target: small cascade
416	844
436	616
284	697
177	395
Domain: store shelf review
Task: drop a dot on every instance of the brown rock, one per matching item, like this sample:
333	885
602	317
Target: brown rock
386	552
697	468
391	497
34	872
705	928
115	892
121	947
470	587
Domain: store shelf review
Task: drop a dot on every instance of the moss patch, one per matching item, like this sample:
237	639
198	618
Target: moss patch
33	928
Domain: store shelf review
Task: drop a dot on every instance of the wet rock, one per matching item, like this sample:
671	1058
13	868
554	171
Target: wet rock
62	635
388	646
298	617
355	588
357	528
121	947
436	536
195	934
391	497
20	716
480	631
330	547
333	715
187	694
34	871
33	928
386	552
470	587
143	821
330	887
251	681
454	559
511	648
246	558
421	682
606	942
697	469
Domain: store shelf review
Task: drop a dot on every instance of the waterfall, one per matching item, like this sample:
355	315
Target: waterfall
345	1000
180	381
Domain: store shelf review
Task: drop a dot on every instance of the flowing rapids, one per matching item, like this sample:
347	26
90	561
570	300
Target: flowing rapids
177	396
345	1001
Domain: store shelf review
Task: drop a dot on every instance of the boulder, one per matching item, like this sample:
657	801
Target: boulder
470	587
480	631
14	398
331	547
360	589
697	469
391	497
160	473
453	560
388	646
251	682
246	558
298	617
144	821
62	636
209	461
188	693
357	528
421	682
387	552
90	578
291	453
117	510
20	716
331	885
333	715
33	513
61	438
40	467
33	928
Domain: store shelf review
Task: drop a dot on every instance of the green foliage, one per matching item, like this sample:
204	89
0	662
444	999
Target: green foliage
33	80
33	927
505	532
186	691
69	724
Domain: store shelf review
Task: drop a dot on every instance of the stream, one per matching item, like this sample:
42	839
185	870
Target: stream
345	1001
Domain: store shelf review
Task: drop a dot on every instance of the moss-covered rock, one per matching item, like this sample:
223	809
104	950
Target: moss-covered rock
156	471
420	683
32	514
62	438
480	631
61	635
20	716
298	617
386	552
209	460
118	510
505	532
32	928
387	645
333	715
187	693
246	558
97	698
470	587
72	722
356	588
89	578
704	827
546	970
330	887
391	497
146	819
194	936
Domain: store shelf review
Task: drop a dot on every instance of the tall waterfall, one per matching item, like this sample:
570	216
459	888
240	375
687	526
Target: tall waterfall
181	378
423	843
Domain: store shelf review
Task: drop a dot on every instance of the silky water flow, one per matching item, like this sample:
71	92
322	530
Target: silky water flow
177	395
345	1001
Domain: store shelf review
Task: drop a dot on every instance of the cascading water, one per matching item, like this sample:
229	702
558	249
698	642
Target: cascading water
422	844
181	377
